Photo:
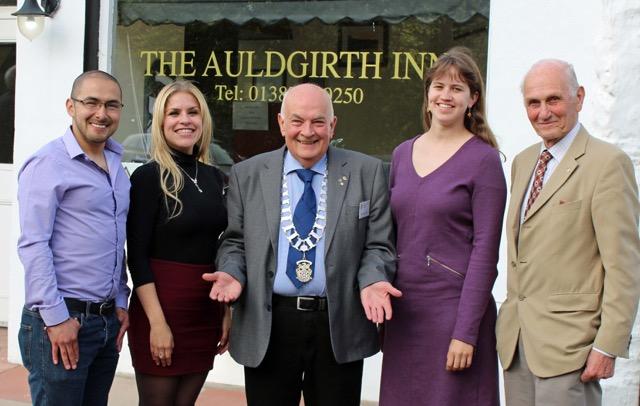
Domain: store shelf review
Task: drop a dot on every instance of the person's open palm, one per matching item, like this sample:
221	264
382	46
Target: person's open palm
225	287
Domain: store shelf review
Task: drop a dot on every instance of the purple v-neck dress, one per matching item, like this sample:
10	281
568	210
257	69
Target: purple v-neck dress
449	225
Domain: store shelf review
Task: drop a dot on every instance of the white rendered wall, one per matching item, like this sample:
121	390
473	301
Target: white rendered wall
616	114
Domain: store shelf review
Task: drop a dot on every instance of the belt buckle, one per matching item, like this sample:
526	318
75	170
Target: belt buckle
104	306
300	299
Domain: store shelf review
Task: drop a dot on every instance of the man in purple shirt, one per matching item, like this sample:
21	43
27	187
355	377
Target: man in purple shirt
74	196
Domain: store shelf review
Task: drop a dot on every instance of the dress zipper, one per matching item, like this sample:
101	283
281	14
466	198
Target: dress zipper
448	268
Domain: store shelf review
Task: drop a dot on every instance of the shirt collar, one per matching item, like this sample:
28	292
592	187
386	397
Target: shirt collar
291	164
71	144
74	149
560	148
114	146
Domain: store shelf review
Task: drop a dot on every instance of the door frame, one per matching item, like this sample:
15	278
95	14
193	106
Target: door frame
8	32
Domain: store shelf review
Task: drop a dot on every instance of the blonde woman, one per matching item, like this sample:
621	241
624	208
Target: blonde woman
175	217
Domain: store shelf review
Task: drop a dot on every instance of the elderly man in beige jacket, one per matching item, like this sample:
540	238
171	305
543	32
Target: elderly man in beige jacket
573	252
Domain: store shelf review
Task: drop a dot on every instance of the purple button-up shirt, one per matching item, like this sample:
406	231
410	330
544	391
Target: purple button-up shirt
72	218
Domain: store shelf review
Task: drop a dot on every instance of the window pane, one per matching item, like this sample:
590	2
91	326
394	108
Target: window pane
371	64
7	101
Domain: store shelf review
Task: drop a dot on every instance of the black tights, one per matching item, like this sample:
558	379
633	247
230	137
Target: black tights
181	390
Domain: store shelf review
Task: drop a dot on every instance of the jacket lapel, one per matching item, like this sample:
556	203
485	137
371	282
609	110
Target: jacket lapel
563	171
271	185
338	178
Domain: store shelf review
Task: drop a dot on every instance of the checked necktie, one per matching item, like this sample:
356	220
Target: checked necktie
541	168
303	218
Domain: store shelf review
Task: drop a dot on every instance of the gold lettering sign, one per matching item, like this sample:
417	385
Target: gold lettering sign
297	64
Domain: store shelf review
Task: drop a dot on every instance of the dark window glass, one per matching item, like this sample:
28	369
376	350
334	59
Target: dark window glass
7	101
244	54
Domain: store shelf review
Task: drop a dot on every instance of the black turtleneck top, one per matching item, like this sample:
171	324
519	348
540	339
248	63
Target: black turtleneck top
189	238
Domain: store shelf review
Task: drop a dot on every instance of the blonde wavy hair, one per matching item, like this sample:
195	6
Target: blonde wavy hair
171	178
465	68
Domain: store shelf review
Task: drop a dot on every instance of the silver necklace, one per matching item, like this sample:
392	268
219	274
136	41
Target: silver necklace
194	179
303	266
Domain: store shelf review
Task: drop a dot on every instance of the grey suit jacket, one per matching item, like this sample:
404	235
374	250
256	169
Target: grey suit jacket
358	251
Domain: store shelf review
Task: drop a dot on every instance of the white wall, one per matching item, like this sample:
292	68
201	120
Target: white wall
601	38
615	119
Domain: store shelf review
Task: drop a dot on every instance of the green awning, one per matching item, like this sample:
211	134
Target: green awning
300	12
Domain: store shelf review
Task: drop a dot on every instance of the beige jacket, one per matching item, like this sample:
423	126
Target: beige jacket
573	278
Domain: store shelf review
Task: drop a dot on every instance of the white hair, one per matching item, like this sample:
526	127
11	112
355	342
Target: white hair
570	74
327	98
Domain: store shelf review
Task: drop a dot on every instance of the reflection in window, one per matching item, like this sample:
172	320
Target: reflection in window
7	101
244	54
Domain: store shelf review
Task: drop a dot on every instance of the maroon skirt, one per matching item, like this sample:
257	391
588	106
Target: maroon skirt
194	319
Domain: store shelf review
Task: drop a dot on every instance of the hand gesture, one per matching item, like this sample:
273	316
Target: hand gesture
376	302
223	345
599	366
64	340
161	343
459	356
123	317
225	287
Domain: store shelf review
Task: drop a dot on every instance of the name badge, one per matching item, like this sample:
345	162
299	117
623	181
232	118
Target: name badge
363	209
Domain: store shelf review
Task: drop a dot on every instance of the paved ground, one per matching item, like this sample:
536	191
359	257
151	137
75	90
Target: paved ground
14	390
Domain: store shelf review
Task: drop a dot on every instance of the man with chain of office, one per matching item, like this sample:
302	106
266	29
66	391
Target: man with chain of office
306	259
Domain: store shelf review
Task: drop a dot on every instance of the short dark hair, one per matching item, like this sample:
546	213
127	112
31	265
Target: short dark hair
92	73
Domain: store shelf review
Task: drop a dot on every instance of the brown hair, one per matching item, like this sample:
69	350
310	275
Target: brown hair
460	59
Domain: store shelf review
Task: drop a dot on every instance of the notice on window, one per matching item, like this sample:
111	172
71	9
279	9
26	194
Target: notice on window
251	116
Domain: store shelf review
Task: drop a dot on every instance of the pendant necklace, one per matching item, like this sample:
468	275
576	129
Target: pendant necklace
194	179
303	266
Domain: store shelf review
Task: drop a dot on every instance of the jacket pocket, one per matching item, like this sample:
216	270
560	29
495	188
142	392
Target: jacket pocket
567	206
572	302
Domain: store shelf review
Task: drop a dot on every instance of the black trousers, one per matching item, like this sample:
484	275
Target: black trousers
300	359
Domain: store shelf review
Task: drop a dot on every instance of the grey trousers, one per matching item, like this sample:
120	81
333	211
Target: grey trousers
522	388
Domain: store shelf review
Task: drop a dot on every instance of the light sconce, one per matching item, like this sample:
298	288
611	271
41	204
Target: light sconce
31	16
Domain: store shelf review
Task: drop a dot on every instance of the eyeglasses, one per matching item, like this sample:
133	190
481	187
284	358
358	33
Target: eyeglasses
92	104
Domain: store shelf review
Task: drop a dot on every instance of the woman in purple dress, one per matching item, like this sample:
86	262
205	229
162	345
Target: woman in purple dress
448	195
